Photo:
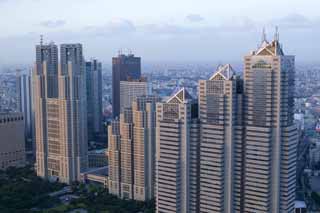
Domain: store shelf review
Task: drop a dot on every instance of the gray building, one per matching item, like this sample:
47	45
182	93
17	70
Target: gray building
12	143
270	136
94	98
60	115
177	157
220	113
124	67
24	102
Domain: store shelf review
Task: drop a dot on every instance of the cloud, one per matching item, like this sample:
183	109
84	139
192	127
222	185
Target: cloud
53	23
112	28
194	18
293	21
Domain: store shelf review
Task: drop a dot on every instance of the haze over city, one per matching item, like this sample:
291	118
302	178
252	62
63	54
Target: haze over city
159	31
159	106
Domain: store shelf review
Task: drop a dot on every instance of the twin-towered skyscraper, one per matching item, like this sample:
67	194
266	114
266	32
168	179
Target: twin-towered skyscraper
60	112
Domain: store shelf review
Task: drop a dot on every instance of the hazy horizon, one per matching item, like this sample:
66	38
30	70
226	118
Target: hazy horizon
186	30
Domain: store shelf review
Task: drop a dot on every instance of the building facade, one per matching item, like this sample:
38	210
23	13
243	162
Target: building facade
12	143
220	101
24	102
94	98
123	68
177	157
132	150
60	114
270	136
130	89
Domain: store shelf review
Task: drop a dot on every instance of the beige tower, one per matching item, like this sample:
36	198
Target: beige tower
220	101
132	150
270	134
130	89
60	115
177	154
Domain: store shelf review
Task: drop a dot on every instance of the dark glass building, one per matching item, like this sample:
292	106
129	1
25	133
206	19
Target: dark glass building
124	67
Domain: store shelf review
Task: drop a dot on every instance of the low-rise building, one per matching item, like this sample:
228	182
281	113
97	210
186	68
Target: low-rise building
12	141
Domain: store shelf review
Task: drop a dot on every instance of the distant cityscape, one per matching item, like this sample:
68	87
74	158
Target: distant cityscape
185	137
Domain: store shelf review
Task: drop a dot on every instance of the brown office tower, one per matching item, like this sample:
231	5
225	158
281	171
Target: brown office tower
124	67
270	133
177	154
220	113
60	113
132	150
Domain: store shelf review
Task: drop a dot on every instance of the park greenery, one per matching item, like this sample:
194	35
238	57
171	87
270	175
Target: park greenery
21	191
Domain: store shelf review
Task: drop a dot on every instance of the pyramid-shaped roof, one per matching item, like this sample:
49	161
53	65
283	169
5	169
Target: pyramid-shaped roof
273	49
224	72
179	95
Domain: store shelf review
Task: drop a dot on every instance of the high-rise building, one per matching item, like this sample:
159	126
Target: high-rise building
132	150
123	68
24	102
130	89
177	157
60	114
94	98
220	113
270	137
48	53
12	143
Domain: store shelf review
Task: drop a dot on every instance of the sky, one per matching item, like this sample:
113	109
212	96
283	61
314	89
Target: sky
159	30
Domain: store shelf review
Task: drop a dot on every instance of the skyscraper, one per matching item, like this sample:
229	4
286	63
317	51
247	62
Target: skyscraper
130	89
24	101
48	53
177	166
270	137
123	68
132	150
60	113
220	101
94	97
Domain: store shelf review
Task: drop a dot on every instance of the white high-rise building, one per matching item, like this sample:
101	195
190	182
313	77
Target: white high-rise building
60	113
270	137
177	154
220	111
130	89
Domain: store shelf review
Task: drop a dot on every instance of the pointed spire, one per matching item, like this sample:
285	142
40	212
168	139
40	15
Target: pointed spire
276	34
41	39
264	35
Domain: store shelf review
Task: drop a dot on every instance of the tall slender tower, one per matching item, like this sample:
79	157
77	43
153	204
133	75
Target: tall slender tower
123	68
132	150
24	99
94	97
177	154
270	136
220	101
60	115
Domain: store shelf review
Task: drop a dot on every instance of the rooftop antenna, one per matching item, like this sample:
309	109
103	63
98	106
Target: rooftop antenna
264	35
276	35
41	39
